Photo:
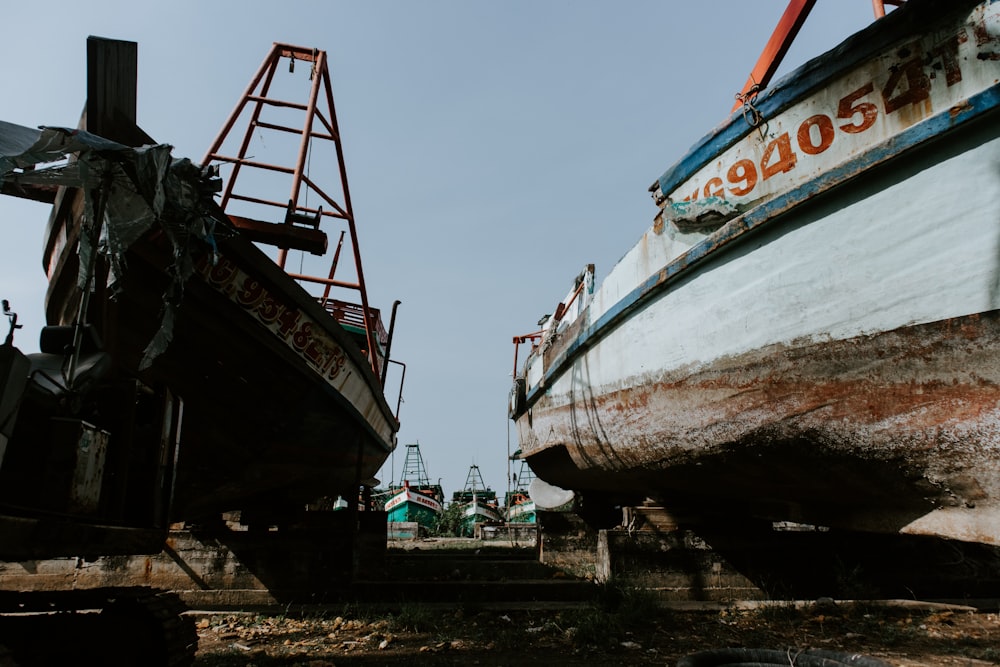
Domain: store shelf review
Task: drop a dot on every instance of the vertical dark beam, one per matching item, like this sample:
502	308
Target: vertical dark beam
112	72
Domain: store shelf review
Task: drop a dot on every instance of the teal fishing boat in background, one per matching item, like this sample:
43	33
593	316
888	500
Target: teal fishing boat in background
478	503
415	498
518	505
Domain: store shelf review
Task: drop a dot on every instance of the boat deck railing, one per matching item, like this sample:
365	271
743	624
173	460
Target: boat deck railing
352	317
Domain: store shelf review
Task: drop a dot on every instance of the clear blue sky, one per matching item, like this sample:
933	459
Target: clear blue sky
493	149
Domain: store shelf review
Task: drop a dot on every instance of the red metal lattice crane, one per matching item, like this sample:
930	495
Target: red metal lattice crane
293	223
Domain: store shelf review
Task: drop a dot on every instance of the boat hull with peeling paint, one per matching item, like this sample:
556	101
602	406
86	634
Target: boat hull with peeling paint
809	331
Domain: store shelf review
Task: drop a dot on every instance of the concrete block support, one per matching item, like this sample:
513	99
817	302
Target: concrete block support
229	568
657	555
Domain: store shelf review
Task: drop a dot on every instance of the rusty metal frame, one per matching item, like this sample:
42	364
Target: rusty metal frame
879	6
562	308
776	48
402	379
519	340
286	234
781	39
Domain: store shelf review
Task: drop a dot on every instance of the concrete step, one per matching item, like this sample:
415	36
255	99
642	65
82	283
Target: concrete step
534	590
466	567
471	575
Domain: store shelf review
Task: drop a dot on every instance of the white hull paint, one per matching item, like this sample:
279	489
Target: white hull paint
521	513
843	315
475	512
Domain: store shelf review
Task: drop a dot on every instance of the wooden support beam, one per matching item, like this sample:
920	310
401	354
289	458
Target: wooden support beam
112	74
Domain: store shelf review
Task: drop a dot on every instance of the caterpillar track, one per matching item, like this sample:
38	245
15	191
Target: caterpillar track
106	626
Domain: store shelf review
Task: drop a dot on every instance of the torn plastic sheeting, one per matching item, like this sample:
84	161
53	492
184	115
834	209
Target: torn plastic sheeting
134	203
64	174
23	147
15	141
189	213
134	184
139	187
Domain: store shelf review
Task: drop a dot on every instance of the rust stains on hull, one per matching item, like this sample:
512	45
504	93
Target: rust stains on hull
871	432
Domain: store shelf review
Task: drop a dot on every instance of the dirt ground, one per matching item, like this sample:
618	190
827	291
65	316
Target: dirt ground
623	628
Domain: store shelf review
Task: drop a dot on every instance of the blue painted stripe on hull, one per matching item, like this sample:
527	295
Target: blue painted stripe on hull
933	128
796	85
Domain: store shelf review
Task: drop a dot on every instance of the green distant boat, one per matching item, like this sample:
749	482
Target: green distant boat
518	505
478	503
415	498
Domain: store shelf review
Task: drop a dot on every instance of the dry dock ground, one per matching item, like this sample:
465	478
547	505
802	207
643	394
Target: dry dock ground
619	626
423	636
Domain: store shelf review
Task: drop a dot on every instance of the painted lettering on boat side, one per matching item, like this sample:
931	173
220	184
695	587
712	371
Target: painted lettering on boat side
413	498
900	91
288	323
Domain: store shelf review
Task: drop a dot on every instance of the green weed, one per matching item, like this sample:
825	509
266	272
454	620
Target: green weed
414	618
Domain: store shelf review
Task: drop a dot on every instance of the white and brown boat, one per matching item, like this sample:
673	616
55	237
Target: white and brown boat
810	329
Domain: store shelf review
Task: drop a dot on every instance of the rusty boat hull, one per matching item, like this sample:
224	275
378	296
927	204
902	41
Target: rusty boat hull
809	330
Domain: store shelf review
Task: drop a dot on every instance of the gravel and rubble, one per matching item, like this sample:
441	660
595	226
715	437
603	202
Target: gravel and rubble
620	625
630	630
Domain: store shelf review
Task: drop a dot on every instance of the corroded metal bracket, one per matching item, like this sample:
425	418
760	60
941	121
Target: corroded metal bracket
777	46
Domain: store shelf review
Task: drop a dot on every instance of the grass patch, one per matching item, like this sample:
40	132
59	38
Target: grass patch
989	654
621	610
780	612
414	618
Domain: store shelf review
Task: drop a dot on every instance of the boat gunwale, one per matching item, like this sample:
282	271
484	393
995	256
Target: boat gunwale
771	211
812	75
244	253
406	493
